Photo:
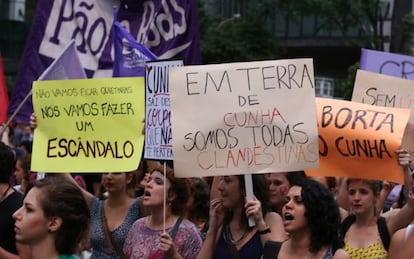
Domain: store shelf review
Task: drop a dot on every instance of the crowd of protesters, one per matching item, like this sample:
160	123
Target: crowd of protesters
141	214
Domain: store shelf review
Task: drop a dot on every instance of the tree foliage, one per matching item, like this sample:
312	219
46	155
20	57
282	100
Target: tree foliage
241	39
368	16
30	10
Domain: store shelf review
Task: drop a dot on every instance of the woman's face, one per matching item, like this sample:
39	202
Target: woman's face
114	182
154	190
31	225
361	197
19	172
278	188
293	212
229	188
145	180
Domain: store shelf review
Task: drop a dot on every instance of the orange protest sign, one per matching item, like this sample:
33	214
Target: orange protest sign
358	140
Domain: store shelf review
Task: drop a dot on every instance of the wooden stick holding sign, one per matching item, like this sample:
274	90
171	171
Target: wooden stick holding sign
165	197
248	185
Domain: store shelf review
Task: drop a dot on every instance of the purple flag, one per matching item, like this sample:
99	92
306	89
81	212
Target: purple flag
66	66
387	63
130	56
168	28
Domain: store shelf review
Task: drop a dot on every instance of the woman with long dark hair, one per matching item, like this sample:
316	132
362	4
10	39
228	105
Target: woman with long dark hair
312	220
229	234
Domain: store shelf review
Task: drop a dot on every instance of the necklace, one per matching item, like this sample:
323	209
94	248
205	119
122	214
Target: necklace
229	238
3	196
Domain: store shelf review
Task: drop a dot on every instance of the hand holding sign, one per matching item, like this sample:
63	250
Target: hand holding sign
73	118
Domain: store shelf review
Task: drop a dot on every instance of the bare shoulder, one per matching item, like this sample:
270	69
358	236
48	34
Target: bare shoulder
398	242
344	213
341	254
399	234
390	213
275	222
272	216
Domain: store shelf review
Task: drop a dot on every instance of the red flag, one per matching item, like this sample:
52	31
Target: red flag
4	97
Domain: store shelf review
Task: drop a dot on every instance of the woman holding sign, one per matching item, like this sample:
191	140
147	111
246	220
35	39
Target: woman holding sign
366	233
229	234
112	217
164	233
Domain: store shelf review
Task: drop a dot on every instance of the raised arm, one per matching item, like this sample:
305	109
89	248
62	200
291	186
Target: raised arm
406	214
88	196
342	197
385	192
68	177
270	227
404	161
217	213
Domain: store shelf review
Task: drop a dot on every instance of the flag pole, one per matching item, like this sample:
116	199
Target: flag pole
9	120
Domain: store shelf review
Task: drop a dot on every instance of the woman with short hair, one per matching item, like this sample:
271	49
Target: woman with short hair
367	234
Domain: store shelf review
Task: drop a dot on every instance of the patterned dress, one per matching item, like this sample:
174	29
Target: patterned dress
97	235
143	242
375	250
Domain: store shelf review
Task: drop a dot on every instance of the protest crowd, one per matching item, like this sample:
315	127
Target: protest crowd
87	169
55	215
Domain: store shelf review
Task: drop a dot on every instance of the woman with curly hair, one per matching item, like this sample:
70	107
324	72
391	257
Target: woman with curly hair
279	184
53	220
311	218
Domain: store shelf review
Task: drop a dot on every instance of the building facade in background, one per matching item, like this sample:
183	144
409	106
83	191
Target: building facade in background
14	28
332	51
